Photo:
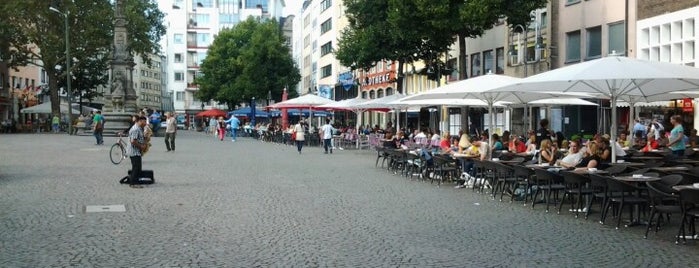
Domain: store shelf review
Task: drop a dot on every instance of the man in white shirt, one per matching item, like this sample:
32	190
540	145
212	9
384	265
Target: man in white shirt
327	134
573	157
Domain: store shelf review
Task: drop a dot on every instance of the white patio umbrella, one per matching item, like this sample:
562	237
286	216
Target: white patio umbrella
45	108
612	77
481	88
308	101
446	102
385	103
561	101
302	102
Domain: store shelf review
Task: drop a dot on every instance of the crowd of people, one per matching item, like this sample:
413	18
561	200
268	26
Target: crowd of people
542	146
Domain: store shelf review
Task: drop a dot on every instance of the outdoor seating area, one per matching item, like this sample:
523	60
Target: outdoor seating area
642	191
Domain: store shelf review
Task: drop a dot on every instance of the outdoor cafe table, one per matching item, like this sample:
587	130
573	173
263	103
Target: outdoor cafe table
685	186
458	155
686	161
670	169
630	164
543	166
583	171
646	158
637	209
507	162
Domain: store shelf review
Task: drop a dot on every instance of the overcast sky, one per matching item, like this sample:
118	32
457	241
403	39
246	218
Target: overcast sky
292	7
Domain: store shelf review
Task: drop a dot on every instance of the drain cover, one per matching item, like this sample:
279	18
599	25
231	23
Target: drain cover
107	208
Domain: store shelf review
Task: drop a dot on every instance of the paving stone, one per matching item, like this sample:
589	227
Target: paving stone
255	204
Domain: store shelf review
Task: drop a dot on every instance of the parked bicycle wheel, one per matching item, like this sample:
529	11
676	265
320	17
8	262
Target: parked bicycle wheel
117	153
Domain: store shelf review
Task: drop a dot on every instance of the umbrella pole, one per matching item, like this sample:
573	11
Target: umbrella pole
356	128
629	127
492	127
613	127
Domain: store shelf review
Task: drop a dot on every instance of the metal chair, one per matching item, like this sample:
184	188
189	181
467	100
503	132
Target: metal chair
575	185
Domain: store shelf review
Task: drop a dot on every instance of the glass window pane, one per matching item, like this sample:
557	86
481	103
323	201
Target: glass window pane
475	65
488	62
573	46
594	42
616	38
500	61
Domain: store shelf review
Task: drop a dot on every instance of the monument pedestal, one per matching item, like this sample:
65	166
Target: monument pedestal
116	122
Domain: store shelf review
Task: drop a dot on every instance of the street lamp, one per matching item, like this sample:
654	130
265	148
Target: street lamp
68	76
513	52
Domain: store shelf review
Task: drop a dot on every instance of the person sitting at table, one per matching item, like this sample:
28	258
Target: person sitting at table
591	157
663	141
516	145
531	145
389	142
651	144
445	143
623	140
400	140
604	151
547	154
497	144
693	139
573	157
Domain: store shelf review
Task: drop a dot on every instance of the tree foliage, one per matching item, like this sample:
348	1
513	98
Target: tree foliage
411	30
246	61
35	35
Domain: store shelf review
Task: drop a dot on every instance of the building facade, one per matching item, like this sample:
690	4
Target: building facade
148	83
187	40
315	39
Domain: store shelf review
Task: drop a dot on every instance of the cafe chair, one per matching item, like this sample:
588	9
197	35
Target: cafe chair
549	183
524	180
575	186
689	203
663	201
626	198
671	180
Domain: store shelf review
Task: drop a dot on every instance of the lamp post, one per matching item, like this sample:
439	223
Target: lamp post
524	52
68	76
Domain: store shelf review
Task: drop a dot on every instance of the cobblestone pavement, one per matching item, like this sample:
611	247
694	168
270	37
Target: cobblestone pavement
253	204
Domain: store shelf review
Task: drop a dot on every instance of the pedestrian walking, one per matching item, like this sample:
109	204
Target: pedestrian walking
170	131
326	131
55	123
98	127
299	135
213	126
221	127
154	122
137	143
235	124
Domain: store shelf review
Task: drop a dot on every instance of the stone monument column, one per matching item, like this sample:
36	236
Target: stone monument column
120	102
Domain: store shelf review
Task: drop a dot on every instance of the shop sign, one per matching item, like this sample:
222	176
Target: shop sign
687	105
377	79
346	80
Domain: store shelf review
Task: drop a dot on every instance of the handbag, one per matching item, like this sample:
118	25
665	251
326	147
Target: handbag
293	136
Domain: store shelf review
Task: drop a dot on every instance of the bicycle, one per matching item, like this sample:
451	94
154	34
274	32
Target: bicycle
118	151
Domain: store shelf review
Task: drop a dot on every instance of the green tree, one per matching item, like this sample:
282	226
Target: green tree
409	30
37	34
248	60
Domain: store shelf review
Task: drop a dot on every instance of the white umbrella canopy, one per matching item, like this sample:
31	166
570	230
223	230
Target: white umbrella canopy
446	102
45	108
347	104
305	101
385	102
612	77
562	101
